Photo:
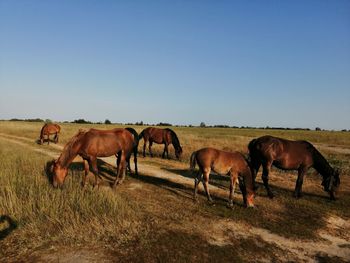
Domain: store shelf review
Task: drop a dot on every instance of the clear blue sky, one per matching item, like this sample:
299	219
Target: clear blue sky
257	63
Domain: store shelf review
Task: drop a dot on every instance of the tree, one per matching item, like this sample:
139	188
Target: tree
107	121
317	129
202	125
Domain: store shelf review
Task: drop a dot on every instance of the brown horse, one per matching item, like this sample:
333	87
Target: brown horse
49	129
161	136
90	145
291	155
225	163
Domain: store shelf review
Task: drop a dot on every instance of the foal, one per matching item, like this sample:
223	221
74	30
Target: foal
224	163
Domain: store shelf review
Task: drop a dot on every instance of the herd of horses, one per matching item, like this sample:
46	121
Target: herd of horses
264	151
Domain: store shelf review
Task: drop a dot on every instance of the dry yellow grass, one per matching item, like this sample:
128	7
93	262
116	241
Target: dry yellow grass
156	220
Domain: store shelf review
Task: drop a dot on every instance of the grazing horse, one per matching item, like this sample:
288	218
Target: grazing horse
90	145
161	136
135	149
224	163
49	129
291	155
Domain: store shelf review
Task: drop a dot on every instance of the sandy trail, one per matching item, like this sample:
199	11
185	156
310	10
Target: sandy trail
219	232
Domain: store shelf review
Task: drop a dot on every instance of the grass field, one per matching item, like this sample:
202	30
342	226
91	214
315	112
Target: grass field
152	219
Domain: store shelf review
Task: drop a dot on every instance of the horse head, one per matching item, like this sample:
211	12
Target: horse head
56	173
178	152
331	183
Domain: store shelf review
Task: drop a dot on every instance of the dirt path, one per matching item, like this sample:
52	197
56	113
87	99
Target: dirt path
221	232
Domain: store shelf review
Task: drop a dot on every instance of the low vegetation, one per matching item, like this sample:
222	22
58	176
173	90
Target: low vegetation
154	219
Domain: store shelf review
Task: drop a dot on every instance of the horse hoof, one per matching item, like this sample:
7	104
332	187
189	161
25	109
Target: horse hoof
229	205
271	195
251	206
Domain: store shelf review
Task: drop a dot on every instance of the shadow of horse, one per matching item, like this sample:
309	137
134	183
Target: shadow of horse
12	225
216	180
222	182
179	189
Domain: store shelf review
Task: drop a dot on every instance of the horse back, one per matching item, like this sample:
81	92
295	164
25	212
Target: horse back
104	143
219	161
156	135
285	154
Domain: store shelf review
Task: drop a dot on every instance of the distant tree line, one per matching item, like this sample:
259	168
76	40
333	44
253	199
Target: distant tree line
202	124
29	120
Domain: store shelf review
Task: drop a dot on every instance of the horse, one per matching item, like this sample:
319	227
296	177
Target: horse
135	149
161	136
291	155
232	164
90	145
49	129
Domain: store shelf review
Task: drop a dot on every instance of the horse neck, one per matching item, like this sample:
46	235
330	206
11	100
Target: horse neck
42	131
67	156
175	141
248	179
321	165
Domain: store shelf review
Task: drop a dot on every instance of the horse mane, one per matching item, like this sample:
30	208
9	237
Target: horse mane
67	150
320	163
175	139
42	130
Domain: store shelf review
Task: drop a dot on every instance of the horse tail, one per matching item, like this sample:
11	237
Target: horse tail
251	145
135	134
193	161
141	135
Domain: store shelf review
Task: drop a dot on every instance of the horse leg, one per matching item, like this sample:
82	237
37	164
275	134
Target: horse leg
86	172
233	181
299	183
48	139
243	189
198	178
121	163
165	151
128	168
56	137
144	147
205	181
150	148
93	162
265	178
135	161
255	169
118	155
123	171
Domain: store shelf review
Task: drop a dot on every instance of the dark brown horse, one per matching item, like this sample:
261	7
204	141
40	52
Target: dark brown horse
90	145
291	155
161	136
232	164
49	129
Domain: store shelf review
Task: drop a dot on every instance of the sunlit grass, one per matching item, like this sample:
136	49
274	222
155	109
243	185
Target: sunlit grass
71	215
